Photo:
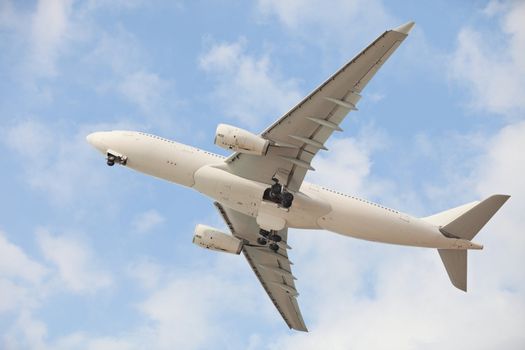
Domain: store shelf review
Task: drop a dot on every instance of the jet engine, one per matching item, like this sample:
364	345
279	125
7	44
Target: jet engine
211	238
239	140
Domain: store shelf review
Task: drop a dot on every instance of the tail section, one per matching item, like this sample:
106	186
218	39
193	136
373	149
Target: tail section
464	222
468	224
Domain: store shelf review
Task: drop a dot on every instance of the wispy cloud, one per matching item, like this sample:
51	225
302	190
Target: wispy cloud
147	272
131	77
347	165
50	28
336	25
249	89
14	263
491	63
76	263
21	277
145	222
54	161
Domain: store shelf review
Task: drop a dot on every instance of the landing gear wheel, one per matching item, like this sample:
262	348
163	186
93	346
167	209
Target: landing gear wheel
262	241
111	160
287	199
274	247
275	238
264	233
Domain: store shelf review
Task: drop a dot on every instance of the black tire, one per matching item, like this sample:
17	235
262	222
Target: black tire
110	162
274	247
276	238
262	241
264	233
287	199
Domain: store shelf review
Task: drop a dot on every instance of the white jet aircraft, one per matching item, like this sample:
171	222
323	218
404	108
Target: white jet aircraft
260	193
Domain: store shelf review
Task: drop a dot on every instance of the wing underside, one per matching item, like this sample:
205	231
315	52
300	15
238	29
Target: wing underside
273	269
298	135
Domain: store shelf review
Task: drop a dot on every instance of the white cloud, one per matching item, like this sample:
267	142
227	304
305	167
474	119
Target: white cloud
503	165
146	272
491	64
375	96
340	21
22	288
77	265
345	167
14	263
131	78
65	31
249	89
11	295
26	333
502	170
347	164
57	161
188	312
85	341
29	138
147	221
144	89
49	31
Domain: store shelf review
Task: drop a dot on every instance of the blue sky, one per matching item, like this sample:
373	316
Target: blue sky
93	257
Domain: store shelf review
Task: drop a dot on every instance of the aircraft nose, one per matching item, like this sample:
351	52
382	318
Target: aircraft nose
96	140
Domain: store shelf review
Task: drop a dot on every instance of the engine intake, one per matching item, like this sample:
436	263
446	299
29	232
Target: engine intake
211	238
240	140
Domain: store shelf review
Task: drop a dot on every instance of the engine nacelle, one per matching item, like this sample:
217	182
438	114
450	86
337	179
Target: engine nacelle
239	140
211	238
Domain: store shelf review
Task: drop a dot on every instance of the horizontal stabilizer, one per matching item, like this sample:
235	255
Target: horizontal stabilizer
455	262
468	224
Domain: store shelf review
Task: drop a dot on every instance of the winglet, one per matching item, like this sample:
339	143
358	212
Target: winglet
405	28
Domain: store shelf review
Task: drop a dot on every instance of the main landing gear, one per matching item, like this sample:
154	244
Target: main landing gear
278	194
111	159
269	236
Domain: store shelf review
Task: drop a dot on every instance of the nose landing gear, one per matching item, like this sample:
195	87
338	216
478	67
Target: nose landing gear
114	157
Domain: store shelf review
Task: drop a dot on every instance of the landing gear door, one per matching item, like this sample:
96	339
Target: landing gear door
270	217
282	175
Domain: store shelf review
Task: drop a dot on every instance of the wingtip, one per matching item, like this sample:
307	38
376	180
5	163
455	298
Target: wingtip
405	28
500	197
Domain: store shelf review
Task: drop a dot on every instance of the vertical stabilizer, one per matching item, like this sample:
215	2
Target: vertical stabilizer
455	262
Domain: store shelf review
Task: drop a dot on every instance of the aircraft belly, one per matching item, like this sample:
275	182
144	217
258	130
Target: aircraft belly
306	210
230	190
364	220
246	196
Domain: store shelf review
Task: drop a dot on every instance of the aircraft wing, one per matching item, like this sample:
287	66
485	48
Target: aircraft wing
273	269
298	135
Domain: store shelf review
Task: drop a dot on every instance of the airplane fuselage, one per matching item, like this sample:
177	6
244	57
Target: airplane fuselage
314	207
